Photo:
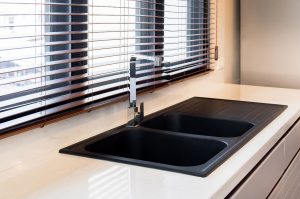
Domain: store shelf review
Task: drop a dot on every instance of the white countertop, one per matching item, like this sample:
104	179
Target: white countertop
31	166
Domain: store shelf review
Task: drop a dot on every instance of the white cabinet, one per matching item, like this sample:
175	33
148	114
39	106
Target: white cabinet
289	185
261	182
292	142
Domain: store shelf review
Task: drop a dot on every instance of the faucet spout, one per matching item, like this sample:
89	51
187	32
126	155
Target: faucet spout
134	115
156	59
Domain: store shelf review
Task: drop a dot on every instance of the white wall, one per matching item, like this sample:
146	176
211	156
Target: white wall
270	43
229	39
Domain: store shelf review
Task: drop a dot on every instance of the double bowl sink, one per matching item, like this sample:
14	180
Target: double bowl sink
193	137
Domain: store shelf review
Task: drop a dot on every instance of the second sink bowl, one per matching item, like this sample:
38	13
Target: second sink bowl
198	125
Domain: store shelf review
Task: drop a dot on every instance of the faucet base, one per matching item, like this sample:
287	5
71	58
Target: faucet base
134	116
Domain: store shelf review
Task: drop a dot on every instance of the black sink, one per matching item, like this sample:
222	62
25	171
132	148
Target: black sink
156	147
193	137
198	125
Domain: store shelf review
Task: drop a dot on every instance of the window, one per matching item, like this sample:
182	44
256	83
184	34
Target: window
187	36
61	55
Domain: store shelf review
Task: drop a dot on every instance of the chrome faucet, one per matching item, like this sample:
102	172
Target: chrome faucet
134	115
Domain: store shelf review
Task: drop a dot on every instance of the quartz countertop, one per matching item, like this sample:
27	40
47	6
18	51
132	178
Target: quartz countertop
32	168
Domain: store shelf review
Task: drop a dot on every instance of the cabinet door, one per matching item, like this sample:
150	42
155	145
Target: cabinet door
261	182
289	186
292	143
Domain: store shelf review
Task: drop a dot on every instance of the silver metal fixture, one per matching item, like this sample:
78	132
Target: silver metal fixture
134	115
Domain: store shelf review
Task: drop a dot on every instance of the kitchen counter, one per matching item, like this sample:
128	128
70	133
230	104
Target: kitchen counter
32	168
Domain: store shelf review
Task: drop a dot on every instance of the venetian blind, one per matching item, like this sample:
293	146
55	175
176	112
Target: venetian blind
58	55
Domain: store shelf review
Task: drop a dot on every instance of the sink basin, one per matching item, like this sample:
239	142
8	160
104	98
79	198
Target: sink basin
198	125
155	147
